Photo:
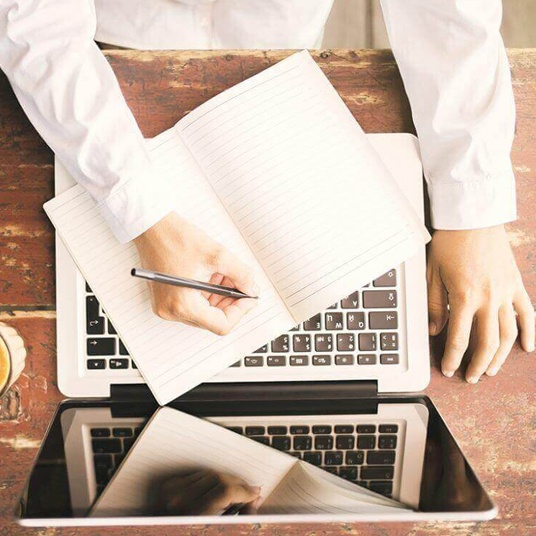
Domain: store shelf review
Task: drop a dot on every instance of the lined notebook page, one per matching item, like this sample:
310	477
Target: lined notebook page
172	357
172	441
303	184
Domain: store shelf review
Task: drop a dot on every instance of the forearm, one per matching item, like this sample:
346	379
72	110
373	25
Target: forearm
70	93
455	71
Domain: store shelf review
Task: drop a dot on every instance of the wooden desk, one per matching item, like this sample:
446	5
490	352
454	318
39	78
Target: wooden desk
494	421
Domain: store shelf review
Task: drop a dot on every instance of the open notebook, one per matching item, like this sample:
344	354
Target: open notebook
173	441
277	170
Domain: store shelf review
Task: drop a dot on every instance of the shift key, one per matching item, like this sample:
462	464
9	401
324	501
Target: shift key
385	472
379	299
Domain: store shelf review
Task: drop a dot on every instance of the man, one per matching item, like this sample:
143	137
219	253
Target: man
456	74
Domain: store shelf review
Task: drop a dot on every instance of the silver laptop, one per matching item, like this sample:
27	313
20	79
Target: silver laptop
329	392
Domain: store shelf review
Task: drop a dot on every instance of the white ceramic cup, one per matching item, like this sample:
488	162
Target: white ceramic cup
12	356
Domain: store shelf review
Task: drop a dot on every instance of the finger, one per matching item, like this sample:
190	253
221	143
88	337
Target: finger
487	343
525	311
459	330
226	494
237	272
437	303
508	335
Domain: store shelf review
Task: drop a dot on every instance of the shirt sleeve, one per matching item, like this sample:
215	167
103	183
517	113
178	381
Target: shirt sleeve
455	70
70	94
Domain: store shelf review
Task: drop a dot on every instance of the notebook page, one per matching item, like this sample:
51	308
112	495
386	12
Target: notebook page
172	441
303	184
171	356
305	490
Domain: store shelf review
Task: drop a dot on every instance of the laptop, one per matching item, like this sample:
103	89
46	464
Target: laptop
330	392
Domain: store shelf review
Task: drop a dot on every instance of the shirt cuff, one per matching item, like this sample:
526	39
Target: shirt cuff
473	204
137	205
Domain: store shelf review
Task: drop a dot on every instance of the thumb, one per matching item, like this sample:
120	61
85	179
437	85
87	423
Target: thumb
437	304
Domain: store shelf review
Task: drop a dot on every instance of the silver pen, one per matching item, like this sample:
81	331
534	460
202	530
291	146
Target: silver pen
189	283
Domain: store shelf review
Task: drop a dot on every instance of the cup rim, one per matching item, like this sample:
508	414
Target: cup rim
5	388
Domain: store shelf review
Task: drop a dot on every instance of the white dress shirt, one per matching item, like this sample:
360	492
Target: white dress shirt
450	54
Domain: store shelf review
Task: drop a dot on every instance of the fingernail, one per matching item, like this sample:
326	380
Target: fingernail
448	373
492	372
433	328
256	490
472	379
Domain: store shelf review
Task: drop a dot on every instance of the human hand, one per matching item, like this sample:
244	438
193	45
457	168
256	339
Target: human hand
205	492
175	246
475	272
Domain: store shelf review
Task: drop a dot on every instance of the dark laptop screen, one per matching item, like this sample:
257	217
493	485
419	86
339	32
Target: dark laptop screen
396	447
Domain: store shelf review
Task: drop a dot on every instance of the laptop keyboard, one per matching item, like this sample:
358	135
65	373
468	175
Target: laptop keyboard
362	329
364	454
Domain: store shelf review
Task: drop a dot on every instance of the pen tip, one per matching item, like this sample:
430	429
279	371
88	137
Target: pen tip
133	271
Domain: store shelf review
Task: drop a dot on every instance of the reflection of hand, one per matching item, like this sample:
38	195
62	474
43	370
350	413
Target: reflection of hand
176	247
476	273
205	492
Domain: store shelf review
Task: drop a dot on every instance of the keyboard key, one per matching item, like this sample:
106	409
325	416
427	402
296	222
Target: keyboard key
103	461
323	442
102	475
345	342
276	360
313	324
299	360
389	341
277	430
101	346
344	359
385	488
333	321
387	442
333	458
320	360
296	455
389	359
322	429
351	301
96	364
281	443
100	432
314	458
349	473
281	344
334	306
95	326
301	343
355	457
261	439
377	473
88	289
127	443
236	429
236	364
92	308
344	428
118	458
380	457
111	329
366	442
262	350
302	442
106	446
253	361
386	280
122	432
355	321
122	349
379	299
367	341
383	320
255	430
324	343
366	428
366	359
119	363
299	429
345	442
388	428
333	470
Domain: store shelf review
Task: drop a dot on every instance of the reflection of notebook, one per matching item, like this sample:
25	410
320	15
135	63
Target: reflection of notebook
265	168
173	440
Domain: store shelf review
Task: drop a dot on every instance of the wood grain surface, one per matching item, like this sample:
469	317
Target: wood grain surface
495	421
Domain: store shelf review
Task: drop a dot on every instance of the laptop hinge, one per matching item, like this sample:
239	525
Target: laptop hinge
248	391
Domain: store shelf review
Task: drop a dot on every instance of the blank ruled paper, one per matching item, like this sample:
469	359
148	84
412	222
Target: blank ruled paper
302	183
277	170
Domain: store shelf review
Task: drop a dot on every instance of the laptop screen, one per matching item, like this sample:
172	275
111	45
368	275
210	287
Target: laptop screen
373	458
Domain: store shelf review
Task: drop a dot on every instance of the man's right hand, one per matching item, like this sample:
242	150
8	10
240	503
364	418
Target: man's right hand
176	247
